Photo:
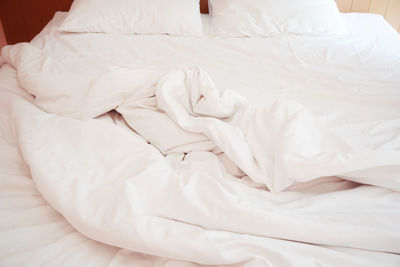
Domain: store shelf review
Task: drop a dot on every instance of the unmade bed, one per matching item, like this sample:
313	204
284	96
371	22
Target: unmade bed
98	168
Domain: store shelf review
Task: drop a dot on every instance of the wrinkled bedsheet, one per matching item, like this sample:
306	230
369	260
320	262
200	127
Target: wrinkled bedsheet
193	173
116	187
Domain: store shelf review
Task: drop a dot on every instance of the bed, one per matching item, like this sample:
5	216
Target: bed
99	177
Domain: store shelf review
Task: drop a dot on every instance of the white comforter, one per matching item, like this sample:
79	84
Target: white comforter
181	181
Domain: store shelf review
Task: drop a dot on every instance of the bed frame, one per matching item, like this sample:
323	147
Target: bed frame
204	6
23	19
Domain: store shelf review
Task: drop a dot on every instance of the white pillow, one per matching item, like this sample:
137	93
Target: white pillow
271	17
175	17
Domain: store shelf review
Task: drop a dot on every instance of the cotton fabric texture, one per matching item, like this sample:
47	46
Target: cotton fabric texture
236	18
175	17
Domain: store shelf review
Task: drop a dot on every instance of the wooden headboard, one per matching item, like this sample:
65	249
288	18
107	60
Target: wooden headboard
23	19
204	6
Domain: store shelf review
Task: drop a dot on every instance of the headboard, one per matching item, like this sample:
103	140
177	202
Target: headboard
23	19
204	6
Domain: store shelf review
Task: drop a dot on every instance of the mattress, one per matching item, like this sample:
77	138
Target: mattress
350	81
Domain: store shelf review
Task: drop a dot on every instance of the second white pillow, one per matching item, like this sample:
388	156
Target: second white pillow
271	17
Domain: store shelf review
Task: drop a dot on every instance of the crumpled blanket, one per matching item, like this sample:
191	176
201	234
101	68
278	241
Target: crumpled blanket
185	174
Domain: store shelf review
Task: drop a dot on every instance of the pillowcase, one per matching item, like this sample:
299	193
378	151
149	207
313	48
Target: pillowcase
175	17
270	17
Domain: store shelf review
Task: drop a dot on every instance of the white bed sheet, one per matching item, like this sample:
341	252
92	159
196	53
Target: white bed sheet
354	80
360	73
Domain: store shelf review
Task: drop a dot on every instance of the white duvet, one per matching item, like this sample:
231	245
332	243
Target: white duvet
195	172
